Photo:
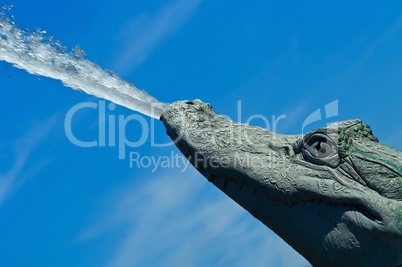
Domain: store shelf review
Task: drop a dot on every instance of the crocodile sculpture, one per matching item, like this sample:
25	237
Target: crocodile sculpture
334	194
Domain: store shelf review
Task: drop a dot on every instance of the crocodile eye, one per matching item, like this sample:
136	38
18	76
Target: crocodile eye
320	149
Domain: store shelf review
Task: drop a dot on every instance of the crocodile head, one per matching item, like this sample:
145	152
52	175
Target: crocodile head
334	194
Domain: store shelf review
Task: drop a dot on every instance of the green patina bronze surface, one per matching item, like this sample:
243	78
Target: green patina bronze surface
399	218
334	194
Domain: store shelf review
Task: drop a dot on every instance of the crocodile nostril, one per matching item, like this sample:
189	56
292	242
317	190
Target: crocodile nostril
190	102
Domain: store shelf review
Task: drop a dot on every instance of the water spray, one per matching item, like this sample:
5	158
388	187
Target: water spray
42	55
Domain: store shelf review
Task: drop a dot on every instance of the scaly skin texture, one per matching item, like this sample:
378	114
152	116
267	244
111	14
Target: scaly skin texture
334	194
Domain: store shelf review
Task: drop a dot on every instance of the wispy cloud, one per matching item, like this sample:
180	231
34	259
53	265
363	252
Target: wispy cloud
394	139
371	49
22	149
393	29
181	220
144	33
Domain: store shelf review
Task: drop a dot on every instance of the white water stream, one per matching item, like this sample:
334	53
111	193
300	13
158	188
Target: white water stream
42	55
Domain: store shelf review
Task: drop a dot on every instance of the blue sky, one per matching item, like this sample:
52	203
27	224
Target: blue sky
63	205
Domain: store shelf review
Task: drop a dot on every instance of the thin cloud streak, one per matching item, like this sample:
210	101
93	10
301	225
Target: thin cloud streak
23	147
394	139
356	68
144	33
181	220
